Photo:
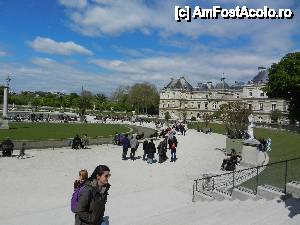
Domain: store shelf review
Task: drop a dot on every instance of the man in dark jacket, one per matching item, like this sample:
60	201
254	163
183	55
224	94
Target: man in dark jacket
162	149
7	147
151	151
126	145
76	142
92	200
145	148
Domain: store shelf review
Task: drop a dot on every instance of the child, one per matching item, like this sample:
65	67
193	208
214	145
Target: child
173	152
83	176
22	151
78	188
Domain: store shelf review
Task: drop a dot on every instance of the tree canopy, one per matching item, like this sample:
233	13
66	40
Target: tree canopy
141	97
284	82
235	118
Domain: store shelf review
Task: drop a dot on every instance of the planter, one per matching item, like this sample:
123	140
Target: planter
236	144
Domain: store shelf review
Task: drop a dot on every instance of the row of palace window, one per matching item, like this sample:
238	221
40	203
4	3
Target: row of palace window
262	94
214	106
261	106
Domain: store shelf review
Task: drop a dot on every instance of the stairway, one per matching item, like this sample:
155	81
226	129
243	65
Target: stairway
169	206
236	212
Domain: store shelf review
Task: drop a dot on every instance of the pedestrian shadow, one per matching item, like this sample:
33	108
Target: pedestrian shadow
293	205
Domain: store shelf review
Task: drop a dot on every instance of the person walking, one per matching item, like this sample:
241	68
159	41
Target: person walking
145	149
173	152
151	151
162	149
172	146
92	200
85	141
22	151
126	145
134	144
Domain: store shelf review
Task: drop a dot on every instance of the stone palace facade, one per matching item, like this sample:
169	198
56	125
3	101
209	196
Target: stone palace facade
179	98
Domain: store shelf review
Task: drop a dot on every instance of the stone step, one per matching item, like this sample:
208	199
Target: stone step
245	214
198	213
269	192
243	194
293	188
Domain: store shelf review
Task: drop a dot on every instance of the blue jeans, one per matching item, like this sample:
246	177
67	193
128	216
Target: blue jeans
173	154
104	221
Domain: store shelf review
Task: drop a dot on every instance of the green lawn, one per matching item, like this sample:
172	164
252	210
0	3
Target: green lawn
45	131
216	128
285	145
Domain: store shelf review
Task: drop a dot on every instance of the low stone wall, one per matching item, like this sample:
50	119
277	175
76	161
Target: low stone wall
57	143
67	142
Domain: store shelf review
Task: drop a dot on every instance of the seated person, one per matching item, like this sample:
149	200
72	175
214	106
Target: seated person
7	147
140	136
263	144
231	161
76	142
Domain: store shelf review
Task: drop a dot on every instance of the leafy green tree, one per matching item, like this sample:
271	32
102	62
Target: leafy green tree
99	101
276	115
85	102
144	98
167	117
284	82
206	118
235	118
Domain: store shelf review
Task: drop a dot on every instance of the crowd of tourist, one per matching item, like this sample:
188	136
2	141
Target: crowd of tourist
151	152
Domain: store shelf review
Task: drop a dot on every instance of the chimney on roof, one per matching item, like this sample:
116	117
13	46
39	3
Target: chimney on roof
209	84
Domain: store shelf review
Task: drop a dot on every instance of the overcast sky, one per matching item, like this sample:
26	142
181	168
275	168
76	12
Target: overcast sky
60	45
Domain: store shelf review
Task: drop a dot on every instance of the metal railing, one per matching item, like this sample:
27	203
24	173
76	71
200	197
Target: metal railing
276	175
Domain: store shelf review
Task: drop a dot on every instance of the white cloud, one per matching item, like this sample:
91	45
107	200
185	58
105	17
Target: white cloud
199	66
2	53
79	4
48	45
47	74
106	17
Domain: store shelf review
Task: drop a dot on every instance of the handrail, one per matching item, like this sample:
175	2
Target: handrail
269	164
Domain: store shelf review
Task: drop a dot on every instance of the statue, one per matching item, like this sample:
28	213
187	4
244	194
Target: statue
3	120
250	127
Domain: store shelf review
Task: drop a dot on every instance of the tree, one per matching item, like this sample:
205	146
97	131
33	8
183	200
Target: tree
207	119
167	117
284	82
235	118
99	100
85	102
276	115
120	98
144	98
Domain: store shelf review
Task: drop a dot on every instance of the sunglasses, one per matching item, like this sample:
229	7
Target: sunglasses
107	175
